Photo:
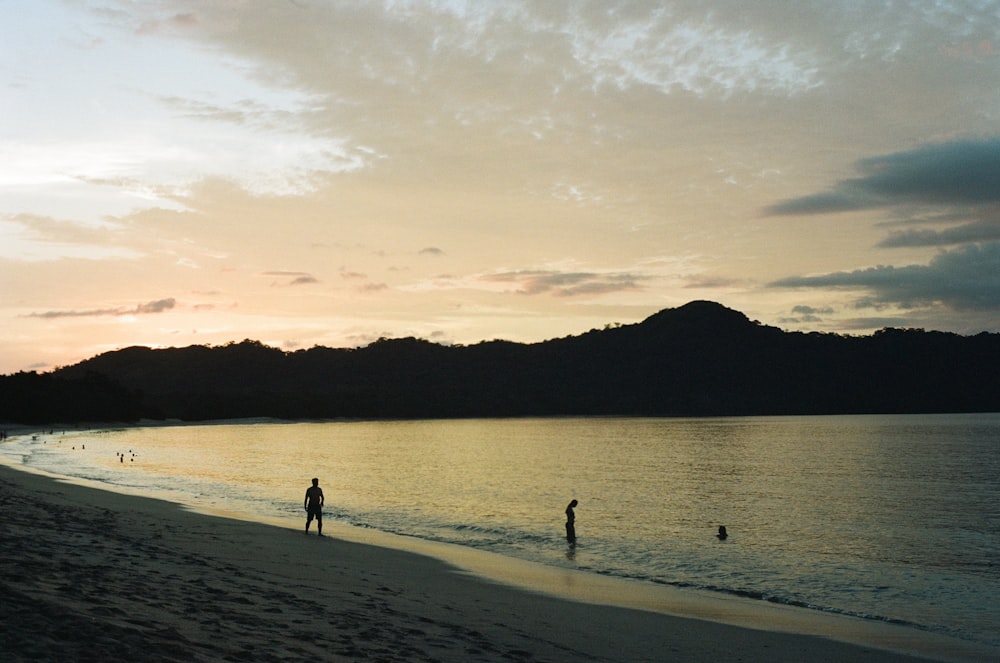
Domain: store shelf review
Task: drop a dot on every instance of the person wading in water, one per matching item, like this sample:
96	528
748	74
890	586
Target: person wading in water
571	522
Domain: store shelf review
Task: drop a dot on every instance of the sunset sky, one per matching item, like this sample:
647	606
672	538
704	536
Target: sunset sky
315	172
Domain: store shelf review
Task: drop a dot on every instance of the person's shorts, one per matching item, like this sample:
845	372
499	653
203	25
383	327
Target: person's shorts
315	511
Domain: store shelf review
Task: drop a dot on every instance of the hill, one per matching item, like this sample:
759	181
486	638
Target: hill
701	359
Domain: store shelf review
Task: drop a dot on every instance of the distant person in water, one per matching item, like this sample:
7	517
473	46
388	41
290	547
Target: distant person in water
571	522
722	533
314	506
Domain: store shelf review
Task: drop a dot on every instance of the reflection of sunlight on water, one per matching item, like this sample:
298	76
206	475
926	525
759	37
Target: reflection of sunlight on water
870	515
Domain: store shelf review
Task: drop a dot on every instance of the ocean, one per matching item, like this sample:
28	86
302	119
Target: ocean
886	518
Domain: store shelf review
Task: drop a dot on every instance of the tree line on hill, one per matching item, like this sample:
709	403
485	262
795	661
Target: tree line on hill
701	359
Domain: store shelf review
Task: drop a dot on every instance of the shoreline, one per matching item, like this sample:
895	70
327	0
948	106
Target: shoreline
94	574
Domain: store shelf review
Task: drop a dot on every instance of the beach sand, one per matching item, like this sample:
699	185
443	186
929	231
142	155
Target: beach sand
91	575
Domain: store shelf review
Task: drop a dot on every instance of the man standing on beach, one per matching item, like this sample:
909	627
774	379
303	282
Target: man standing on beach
314	506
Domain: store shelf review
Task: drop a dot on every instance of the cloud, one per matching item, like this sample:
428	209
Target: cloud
806	314
977	231
566	284
158	306
304	280
241	114
812	310
710	281
35	238
965	279
167	25
297	278
955	173
697	56
955	183
432	251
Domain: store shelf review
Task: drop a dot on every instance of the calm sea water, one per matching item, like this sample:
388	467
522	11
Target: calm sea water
892	518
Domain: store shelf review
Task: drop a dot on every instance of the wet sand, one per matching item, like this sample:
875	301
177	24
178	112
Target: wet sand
91	575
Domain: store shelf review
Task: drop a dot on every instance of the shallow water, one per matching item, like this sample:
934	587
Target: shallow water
891	518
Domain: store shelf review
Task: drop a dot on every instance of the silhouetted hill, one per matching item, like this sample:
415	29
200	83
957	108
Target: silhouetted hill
696	360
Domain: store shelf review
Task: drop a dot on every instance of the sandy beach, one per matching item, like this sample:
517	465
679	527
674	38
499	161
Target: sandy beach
91	575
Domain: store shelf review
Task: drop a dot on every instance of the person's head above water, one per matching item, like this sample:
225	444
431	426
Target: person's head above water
315	482
722	532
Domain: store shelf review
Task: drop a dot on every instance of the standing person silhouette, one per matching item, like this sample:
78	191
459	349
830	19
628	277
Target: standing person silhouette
571	522
313	505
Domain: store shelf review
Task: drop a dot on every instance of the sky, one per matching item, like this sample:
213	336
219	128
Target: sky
318	172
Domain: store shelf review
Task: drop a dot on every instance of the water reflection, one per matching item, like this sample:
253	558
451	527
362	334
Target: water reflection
891	516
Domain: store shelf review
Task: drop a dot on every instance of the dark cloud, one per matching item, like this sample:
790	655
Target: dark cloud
965	279
298	278
956	173
158	306
948	194
978	231
804	314
432	251
567	284
811	310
